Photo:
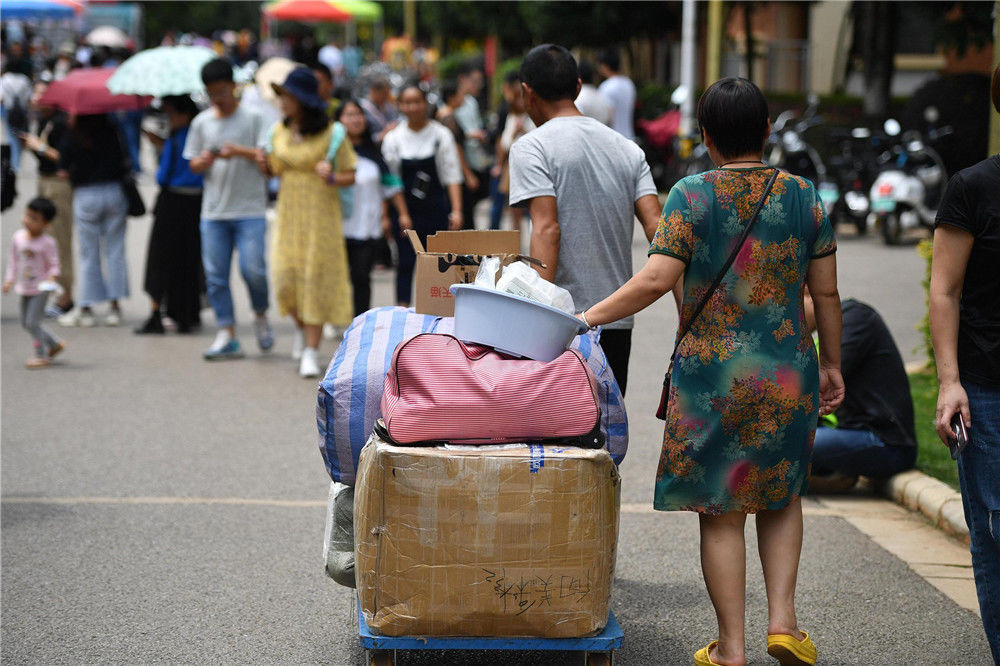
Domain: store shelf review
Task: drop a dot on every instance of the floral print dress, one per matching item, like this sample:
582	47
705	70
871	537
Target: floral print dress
744	396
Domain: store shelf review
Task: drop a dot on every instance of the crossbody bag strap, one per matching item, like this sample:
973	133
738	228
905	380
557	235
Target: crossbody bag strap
729	262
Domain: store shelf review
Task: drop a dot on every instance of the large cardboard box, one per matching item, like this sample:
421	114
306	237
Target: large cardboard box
491	541
452	257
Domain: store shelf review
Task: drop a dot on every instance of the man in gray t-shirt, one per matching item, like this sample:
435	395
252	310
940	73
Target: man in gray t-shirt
583	184
225	144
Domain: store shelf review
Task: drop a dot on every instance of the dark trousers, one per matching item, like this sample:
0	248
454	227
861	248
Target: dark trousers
471	197
617	346
361	259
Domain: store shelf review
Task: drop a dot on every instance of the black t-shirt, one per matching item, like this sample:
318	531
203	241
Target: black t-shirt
878	391
972	203
54	132
100	158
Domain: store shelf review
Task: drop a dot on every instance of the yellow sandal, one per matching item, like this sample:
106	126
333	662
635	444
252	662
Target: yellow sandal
789	651
701	657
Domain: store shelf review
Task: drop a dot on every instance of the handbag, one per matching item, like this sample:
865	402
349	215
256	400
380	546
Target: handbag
439	389
661	410
136	206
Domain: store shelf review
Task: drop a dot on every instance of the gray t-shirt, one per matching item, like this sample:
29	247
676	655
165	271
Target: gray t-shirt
234	187
596	176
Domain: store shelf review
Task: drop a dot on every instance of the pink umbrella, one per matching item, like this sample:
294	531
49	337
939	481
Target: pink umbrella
85	91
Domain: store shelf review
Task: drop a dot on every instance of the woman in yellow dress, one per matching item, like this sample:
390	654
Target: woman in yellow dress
309	257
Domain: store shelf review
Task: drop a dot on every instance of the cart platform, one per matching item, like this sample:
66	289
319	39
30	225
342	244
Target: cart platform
605	642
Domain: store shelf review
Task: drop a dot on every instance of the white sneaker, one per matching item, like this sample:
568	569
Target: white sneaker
298	344
329	331
113	318
308	366
78	317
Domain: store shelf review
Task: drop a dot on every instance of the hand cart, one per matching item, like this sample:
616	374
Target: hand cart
597	650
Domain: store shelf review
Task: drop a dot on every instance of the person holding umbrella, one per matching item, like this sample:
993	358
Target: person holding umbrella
174	275
309	260
93	157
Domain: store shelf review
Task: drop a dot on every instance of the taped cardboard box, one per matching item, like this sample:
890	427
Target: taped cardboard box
485	541
452	257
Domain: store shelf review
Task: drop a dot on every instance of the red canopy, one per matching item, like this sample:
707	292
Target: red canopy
85	91
306	10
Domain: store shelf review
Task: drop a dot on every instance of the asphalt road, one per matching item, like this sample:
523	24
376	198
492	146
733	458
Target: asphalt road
160	509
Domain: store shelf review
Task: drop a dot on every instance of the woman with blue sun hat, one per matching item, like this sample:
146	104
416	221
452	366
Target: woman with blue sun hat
310	277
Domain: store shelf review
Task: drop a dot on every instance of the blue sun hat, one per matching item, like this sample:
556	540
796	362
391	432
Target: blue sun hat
301	84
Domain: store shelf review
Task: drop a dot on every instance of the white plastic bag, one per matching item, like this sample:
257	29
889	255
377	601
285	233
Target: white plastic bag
487	275
521	280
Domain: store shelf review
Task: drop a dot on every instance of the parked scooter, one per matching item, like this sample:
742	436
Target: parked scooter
854	169
787	149
909	189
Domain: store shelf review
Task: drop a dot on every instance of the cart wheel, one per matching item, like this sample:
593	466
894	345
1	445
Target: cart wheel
381	658
598	659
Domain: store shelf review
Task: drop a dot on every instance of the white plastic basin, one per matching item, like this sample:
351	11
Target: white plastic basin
512	324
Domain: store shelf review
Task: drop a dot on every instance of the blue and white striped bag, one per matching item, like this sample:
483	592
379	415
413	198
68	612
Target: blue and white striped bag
351	392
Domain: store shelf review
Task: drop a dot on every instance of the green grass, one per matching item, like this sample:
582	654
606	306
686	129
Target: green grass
933	457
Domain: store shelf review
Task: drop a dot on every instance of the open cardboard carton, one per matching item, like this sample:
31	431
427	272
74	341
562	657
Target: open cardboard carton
453	257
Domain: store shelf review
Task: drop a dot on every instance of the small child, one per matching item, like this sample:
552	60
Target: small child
34	262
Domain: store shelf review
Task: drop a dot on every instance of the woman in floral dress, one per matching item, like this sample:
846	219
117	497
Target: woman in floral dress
746	387
309	257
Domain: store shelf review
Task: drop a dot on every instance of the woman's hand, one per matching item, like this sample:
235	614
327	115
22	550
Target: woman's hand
324	170
831	390
952	399
471	181
386	227
455	220
405	222
33	143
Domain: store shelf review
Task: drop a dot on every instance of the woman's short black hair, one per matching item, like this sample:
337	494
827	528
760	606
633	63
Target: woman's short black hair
733	111
611	59
182	104
312	121
215	70
551	72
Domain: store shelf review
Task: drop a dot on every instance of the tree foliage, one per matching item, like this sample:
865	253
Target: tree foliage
203	18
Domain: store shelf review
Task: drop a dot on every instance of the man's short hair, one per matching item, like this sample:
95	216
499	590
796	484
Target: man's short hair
449	88
610	59
217	70
550	70
512	77
43	207
586	71
733	111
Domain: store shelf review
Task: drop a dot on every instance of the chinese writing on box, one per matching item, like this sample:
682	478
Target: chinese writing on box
524	593
440	292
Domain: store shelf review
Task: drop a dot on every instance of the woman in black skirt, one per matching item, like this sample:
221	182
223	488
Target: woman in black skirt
175	279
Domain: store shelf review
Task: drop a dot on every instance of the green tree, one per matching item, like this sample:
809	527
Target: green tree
201	17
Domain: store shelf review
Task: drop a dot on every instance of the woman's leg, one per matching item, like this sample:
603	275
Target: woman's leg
116	210
724	565
314	334
779	543
87	211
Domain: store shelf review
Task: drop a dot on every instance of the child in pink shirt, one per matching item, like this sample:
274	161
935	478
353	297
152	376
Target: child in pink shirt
34	262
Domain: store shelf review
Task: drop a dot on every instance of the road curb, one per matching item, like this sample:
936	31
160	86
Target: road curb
935	499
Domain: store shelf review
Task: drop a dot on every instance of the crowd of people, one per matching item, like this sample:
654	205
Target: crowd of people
746	387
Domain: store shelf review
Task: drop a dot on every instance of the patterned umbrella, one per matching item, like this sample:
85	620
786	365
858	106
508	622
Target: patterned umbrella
108	35
85	91
274	70
165	70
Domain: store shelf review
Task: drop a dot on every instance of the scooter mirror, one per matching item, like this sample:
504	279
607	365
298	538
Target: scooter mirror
679	96
931	114
892	127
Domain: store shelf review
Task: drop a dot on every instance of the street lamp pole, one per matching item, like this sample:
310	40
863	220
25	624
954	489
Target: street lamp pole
687	66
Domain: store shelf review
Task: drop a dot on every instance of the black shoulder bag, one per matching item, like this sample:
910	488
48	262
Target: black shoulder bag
661	411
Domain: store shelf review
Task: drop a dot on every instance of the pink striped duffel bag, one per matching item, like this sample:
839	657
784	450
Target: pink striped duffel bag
439	389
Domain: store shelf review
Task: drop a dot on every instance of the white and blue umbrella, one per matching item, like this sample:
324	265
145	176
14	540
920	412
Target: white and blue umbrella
165	70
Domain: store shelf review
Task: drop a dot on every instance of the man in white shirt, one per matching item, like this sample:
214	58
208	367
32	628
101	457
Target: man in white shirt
619	91
589	101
